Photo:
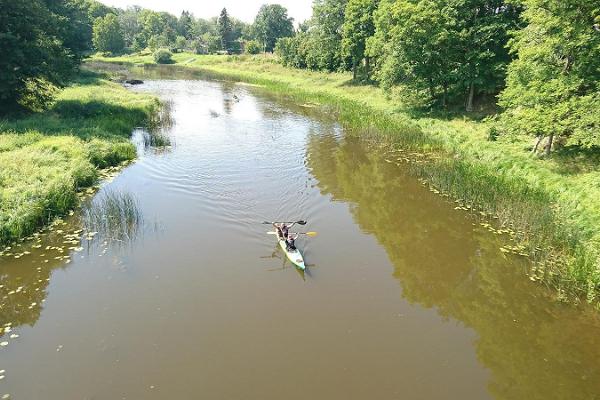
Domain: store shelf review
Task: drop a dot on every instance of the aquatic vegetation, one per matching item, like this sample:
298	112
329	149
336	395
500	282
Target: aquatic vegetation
115	215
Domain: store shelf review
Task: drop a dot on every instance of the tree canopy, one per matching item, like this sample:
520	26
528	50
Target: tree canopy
107	35
272	23
553	85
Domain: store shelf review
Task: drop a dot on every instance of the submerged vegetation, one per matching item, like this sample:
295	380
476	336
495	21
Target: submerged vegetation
47	157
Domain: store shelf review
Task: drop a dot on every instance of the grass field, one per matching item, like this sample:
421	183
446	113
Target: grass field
551	204
47	157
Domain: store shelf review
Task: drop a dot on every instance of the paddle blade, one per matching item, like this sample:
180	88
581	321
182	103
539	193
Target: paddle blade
271	233
311	234
301	222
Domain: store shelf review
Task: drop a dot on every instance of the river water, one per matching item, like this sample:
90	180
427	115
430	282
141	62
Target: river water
404	297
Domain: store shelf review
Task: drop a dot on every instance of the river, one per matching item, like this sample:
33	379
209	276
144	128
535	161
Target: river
404	296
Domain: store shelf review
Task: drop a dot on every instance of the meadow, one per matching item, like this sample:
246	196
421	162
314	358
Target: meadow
47	158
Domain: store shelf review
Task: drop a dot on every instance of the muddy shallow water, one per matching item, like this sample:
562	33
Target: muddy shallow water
405	297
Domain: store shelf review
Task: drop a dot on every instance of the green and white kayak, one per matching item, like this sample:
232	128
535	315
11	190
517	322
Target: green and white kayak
294	255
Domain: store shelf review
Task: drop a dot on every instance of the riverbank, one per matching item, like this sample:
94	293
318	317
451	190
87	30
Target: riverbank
48	158
548	206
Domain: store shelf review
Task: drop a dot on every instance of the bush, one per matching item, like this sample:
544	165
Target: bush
253	47
163	56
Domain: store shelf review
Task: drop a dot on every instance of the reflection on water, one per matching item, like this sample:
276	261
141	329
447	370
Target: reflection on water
404	297
535	349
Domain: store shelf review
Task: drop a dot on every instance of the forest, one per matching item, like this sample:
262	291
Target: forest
534	65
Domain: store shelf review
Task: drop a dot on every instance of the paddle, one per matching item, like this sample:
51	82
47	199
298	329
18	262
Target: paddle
311	234
293	222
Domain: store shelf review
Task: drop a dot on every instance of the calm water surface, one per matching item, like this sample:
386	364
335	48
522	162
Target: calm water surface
404	297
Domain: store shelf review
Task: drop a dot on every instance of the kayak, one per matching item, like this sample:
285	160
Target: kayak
293	255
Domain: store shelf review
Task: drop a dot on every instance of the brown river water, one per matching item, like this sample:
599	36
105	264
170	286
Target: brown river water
404	296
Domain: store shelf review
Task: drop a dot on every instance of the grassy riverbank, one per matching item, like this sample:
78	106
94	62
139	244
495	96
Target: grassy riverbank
550	205
46	158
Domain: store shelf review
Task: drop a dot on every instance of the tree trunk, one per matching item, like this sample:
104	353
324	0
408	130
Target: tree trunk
470	97
537	144
431	89
368	67
445	99
549	144
354	69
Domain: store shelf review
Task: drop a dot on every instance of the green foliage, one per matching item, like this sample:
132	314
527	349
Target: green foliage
225	30
553	86
45	158
163	56
358	27
107	35
253	47
451	50
272	23
185	25
180	43
35	52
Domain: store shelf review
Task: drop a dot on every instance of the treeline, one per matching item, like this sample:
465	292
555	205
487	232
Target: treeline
539	59
136	29
44	41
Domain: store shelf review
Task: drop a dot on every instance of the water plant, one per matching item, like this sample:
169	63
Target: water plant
114	215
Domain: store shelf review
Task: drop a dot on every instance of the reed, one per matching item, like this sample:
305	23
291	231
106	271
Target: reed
115	215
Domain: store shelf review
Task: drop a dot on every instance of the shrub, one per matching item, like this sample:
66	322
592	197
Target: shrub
253	47
163	56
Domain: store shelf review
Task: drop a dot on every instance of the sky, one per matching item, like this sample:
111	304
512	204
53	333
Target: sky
245	10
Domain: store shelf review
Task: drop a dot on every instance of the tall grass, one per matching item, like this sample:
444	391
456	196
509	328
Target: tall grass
551	205
47	157
114	215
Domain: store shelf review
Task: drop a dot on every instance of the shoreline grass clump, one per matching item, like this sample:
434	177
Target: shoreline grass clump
551	204
47	157
115	215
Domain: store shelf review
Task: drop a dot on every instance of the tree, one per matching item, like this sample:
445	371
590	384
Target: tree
107	35
357	28
34	56
553	85
445	49
272	23
225	29
324	41
185	25
180	43
130	25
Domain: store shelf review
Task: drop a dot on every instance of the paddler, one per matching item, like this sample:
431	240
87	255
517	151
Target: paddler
290	241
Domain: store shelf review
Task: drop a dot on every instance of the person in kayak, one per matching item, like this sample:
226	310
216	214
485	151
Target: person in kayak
290	241
282	229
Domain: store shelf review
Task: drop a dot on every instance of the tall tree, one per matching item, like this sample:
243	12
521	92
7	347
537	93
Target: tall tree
324	42
185	25
34	55
357	28
225	30
108	37
272	23
553	86
130	25
449	49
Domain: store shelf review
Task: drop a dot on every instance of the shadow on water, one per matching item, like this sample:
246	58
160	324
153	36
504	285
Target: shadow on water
534	347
